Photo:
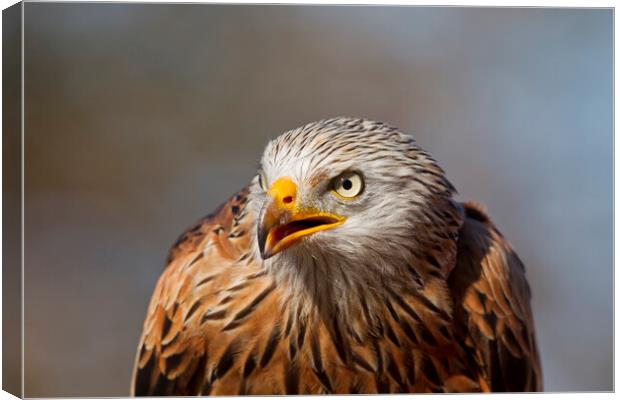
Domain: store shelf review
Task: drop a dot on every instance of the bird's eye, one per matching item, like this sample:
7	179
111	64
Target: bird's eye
348	185
262	180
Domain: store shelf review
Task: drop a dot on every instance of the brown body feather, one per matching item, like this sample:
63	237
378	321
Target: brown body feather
218	324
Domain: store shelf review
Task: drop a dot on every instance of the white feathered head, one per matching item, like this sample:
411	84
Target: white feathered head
348	202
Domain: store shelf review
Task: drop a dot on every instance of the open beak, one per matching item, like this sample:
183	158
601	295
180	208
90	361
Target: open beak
281	224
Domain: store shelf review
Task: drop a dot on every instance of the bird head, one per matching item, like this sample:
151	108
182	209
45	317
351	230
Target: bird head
350	192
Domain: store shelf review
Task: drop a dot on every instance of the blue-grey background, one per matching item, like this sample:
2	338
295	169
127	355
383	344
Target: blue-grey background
141	118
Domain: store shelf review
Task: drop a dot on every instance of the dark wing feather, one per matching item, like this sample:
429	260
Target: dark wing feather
171	356
492	306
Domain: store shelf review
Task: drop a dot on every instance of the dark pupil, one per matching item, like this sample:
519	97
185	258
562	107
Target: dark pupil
347	184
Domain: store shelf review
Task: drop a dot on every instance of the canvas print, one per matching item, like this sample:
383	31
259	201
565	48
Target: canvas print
297	199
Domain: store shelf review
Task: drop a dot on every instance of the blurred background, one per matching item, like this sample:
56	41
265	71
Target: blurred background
141	118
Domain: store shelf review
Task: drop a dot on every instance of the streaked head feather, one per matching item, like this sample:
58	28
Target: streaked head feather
389	227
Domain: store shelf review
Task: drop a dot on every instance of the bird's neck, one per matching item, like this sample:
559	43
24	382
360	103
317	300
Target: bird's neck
359	297
361	292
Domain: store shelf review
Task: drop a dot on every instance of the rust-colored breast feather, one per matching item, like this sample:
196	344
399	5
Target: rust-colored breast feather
217	324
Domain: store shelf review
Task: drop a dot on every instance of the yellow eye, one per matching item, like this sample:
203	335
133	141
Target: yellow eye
262	180
348	185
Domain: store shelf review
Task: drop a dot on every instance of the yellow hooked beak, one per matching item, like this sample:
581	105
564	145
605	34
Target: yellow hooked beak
282	223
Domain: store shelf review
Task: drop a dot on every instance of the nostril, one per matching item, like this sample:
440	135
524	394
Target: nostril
287	199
